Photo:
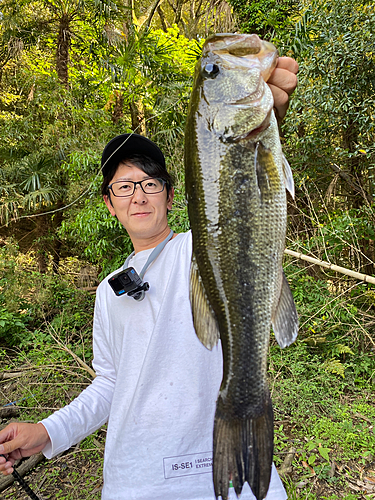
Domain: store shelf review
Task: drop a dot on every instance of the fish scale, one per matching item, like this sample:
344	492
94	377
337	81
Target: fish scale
235	178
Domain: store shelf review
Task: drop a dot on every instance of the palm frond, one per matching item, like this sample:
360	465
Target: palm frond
40	198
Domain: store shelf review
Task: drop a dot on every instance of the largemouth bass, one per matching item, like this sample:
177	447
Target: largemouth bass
236	180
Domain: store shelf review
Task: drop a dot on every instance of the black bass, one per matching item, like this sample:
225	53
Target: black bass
236	177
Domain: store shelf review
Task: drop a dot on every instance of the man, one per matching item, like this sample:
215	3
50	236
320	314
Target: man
156	384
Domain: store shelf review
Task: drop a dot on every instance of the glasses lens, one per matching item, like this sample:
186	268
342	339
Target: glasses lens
122	188
151	186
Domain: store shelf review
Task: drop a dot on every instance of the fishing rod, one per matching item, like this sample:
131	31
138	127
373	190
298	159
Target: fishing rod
23	483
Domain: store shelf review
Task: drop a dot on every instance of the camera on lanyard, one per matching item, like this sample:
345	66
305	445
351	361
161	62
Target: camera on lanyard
128	282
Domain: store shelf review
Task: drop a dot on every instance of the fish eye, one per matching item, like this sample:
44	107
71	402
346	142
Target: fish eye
210	70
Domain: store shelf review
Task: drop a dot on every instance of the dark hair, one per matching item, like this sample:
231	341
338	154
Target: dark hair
146	164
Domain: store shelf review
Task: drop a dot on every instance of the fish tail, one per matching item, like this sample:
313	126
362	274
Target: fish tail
243	451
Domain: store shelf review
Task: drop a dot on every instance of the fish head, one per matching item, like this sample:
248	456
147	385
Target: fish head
230	83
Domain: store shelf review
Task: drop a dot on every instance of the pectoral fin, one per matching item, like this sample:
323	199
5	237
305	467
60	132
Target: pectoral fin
268	179
205	323
285	318
288	177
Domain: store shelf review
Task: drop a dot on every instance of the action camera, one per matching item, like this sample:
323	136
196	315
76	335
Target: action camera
128	282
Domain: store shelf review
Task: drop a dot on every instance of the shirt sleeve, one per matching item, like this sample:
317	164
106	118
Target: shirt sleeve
90	410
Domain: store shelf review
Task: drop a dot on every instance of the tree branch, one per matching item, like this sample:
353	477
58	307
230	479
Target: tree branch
149	14
348	272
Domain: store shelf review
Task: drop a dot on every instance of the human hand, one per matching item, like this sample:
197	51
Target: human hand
282	83
20	440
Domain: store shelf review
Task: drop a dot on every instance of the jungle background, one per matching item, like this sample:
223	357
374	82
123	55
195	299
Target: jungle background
75	73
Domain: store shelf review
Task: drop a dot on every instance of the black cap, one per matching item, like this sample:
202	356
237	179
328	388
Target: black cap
126	145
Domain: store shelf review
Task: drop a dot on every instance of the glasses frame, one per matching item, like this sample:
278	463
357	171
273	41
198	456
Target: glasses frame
134	186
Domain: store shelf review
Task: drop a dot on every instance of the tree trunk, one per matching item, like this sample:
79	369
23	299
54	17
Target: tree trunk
42	225
162	19
138	117
118	108
62	52
177	18
145	20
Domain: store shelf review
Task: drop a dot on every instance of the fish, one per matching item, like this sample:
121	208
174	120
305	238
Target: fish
236	179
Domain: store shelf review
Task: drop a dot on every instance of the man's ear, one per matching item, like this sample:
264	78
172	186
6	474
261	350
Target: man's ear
108	202
170	198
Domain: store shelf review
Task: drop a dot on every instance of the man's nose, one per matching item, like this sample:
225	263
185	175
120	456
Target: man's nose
139	196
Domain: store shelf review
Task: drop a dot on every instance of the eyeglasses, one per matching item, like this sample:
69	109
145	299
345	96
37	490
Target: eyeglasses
123	189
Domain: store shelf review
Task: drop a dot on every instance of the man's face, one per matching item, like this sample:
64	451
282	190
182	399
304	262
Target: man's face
144	216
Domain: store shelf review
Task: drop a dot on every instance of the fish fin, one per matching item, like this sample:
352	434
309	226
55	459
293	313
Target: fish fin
285	318
204	320
288	176
268	177
243	451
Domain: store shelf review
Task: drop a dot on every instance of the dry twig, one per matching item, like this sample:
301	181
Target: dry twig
74	356
348	272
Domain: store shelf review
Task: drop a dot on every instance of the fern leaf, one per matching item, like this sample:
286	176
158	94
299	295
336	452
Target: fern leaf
334	366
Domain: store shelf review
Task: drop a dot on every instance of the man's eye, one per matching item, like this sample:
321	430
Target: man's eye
124	187
151	184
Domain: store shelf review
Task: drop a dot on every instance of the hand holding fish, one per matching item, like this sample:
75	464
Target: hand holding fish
282	83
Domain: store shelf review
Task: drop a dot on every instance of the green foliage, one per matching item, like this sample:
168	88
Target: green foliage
154	68
269	19
29	301
307	396
12	326
339	429
337	233
322	386
329	133
331	116
326	325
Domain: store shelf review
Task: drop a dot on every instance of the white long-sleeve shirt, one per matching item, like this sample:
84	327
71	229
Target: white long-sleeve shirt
156	385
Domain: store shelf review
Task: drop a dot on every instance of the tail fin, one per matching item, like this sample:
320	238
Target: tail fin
243	451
